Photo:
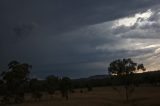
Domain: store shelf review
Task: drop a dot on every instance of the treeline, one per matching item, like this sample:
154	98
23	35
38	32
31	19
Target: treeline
150	78
15	83
146	79
138	79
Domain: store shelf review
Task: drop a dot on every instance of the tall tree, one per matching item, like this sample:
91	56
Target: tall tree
125	69
65	87
15	79
52	83
36	88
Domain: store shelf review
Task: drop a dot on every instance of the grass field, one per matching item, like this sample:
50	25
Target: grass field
102	96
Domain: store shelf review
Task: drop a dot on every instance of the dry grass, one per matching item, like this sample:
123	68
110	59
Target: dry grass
104	96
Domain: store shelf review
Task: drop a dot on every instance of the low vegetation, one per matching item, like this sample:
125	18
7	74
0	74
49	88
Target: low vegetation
18	88
100	96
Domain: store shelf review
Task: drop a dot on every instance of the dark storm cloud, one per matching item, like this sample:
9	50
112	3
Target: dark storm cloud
66	37
23	29
60	15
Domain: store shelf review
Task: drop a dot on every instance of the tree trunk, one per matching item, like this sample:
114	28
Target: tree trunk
66	95
127	96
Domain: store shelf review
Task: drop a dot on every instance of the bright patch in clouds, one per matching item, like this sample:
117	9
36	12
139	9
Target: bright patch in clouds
157	50
134	36
130	21
151	46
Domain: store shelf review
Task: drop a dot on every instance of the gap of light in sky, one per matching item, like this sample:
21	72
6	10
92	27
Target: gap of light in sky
130	21
137	34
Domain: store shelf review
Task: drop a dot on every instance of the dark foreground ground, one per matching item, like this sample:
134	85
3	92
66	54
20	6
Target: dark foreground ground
102	96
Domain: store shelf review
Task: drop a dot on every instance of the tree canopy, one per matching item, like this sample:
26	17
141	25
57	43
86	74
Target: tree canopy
124	70
124	67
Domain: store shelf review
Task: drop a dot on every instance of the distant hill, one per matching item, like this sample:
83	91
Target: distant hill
98	77
152	77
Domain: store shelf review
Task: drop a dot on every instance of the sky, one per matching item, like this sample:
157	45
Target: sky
79	38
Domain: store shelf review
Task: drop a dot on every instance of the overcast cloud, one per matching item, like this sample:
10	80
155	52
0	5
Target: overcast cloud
79	38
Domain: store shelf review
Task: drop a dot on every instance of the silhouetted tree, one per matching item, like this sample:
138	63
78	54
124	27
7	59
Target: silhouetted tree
52	83
1	88
125	69
81	91
89	87
65	87
15	79
35	89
